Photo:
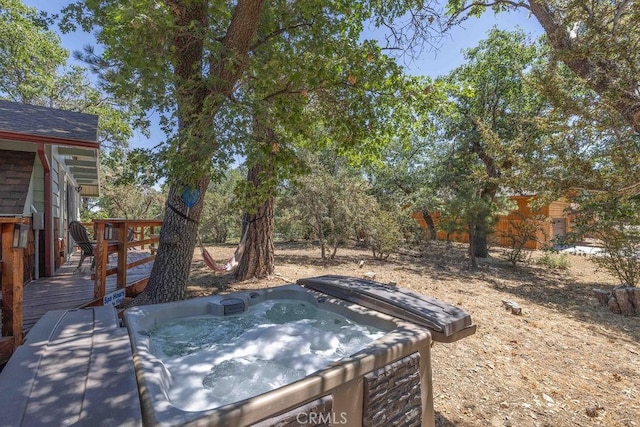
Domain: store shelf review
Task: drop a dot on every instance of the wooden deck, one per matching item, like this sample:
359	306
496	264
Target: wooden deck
70	289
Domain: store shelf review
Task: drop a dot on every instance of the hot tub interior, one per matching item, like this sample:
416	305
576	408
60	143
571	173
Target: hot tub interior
216	360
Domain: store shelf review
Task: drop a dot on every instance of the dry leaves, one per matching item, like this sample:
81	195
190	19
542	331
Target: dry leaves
565	361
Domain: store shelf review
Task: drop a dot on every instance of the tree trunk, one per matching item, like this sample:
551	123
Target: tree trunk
480	240
431	226
168	281
473	241
482	230
257	259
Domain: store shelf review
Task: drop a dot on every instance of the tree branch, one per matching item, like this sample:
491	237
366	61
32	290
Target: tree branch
262	40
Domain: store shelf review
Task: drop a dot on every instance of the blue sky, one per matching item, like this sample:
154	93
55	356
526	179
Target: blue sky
433	62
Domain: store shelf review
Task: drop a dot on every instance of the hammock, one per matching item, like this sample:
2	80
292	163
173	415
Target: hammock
230	264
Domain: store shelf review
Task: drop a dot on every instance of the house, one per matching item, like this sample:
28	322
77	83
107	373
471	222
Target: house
48	162
556	222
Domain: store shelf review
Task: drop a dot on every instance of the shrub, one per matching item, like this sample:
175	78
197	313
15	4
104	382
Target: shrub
555	260
614	219
383	234
520	232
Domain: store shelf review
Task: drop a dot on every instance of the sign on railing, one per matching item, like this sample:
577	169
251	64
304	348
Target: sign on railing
114	298
121	235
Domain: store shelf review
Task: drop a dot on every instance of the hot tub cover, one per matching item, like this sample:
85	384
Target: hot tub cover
446	322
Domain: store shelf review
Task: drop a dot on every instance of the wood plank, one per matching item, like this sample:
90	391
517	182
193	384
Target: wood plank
73	290
142	261
137	287
12	287
6	349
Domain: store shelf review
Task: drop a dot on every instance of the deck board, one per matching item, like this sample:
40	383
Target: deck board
70	289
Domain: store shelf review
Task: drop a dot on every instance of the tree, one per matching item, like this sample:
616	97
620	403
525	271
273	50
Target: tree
183	59
188	60
332	201
522	230
383	230
33	70
465	204
598	41
136	63
407	177
341	92
221	212
614	220
30	54
258	255
494	123
130	201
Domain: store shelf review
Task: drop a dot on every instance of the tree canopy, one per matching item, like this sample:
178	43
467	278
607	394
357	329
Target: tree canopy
267	79
598	41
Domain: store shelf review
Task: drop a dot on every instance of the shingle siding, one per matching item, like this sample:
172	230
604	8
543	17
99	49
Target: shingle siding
16	168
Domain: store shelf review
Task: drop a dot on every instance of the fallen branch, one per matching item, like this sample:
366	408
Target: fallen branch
514	307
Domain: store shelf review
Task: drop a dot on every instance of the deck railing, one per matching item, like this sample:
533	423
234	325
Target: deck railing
12	280
127	234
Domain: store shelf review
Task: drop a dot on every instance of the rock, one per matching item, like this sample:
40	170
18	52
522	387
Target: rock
634	297
613	305
602	296
370	275
622	297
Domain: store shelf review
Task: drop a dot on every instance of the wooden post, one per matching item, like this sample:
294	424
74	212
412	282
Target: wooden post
142	237
123	239
12	278
100	284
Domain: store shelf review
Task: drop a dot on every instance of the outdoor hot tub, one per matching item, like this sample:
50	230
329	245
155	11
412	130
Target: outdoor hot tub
330	350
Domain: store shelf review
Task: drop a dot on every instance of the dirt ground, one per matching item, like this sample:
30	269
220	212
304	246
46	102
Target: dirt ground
566	361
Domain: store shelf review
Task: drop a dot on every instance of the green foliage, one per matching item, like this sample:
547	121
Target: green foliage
488	134
131	201
614	220
383	232
220	218
336	89
33	70
30	54
554	261
289	227
597	40
332	201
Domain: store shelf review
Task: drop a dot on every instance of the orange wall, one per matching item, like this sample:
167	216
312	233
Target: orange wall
504	226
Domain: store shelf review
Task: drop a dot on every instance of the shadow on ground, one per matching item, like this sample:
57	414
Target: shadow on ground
442	261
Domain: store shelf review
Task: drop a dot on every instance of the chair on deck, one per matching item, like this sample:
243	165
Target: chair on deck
81	237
